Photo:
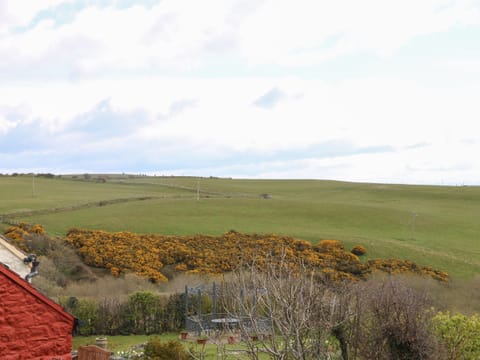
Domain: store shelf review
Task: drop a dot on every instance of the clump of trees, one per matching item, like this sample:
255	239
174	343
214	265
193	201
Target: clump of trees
141	313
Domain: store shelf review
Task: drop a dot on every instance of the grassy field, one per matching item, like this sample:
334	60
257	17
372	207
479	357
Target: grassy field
433	225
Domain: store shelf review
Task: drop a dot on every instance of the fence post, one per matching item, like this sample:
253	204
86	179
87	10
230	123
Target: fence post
186	306
199	310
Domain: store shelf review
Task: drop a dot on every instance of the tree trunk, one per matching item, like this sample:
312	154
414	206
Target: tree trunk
339	333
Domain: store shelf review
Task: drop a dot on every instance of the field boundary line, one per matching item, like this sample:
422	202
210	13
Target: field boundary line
9	218
6	218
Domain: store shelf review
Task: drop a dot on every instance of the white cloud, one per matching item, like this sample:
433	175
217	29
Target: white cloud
368	112
411	167
183	35
100	40
140	60
293	34
15	13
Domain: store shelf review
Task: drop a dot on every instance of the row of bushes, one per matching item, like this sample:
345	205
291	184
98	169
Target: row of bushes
143	313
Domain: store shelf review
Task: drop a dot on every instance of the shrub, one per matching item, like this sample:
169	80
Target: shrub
20	232
111	313
359	250
329	245
394	322
86	310
174	313
154	256
155	349
143	313
39	244
459	334
397	267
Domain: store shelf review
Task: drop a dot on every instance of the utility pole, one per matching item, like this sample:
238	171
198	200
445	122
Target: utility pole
33	184
198	189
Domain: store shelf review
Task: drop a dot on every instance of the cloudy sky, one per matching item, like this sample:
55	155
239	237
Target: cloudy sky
372	90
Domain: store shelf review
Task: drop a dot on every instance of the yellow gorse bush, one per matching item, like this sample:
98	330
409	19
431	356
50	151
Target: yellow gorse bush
147	254
18	233
359	250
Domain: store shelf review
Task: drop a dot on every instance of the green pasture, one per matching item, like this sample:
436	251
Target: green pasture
433	225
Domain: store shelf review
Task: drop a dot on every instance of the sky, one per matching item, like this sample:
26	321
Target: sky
371	91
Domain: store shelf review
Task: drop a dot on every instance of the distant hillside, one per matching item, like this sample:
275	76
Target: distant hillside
432	225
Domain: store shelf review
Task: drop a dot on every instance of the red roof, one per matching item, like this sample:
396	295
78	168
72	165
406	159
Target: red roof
13	276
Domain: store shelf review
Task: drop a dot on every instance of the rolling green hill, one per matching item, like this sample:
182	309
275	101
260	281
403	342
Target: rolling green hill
432	225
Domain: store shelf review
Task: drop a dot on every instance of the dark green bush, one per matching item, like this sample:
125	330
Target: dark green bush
86	310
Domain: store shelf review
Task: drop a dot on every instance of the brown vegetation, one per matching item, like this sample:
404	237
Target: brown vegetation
20	232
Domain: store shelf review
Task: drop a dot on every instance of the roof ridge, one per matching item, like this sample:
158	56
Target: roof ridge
12	248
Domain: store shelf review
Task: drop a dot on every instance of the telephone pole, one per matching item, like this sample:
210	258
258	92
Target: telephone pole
33	184
198	189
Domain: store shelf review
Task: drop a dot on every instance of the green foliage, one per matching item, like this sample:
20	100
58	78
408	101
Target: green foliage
85	310
460	334
174	318
156	349
144	312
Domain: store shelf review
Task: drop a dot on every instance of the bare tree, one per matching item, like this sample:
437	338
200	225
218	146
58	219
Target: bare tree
345	307
283	309
392	322
293	311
